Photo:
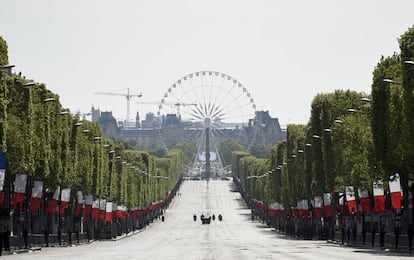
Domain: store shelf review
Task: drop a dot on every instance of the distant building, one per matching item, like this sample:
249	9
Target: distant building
96	114
263	129
109	125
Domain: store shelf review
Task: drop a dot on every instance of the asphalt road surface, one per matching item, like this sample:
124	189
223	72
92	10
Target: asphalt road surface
179	237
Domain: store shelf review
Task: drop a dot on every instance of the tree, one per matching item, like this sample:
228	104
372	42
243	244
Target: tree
226	148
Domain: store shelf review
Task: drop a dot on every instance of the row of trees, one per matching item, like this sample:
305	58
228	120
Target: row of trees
42	139
351	138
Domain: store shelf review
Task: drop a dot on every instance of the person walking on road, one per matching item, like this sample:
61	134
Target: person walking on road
397	232
364	234
25	234
410	234
1	241
382	236
46	233
373	232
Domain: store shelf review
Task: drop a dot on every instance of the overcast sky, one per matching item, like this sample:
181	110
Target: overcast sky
283	52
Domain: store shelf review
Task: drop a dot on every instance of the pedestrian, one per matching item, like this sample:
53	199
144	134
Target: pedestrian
25	236
348	235
46	233
77	235
373	232
382	236
7	239
364	234
354	232
410	234
88	234
59	236
397	232
69	236
1	241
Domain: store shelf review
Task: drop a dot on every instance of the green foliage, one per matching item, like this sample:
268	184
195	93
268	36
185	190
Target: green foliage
3	52
260	151
226	148
189	151
48	143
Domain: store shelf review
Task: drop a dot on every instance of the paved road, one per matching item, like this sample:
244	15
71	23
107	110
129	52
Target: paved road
179	237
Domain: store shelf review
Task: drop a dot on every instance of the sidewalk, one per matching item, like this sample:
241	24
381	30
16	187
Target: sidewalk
16	251
389	250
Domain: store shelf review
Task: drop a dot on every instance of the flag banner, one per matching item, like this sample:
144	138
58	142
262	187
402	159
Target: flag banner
379	198
327	204
102	207
19	190
341	202
3	163
36	200
88	206
119	212
317	208
364	199
350	199
51	208
95	209
295	212
305	208
273	209
108	211
299	208
79	204
114	210
65	198
134	212
395	191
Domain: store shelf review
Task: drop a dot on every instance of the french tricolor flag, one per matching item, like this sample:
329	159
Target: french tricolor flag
19	190
36	200
108	211
317	202
327	204
379	198
102	208
65	198
114	209
350	199
95	209
364	199
79	205
305	208
51	208
88	206
341	203
395	190
3	162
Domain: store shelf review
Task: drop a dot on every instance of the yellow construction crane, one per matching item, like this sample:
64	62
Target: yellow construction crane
127	95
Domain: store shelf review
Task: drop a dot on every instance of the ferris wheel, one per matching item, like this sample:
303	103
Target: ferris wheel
207	100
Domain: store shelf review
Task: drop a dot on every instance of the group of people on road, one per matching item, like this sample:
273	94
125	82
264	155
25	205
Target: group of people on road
203	218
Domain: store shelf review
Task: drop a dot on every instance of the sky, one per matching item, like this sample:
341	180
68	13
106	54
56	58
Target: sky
283	52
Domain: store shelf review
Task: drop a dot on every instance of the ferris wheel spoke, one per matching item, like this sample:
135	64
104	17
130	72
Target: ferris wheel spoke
237	109
228	94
